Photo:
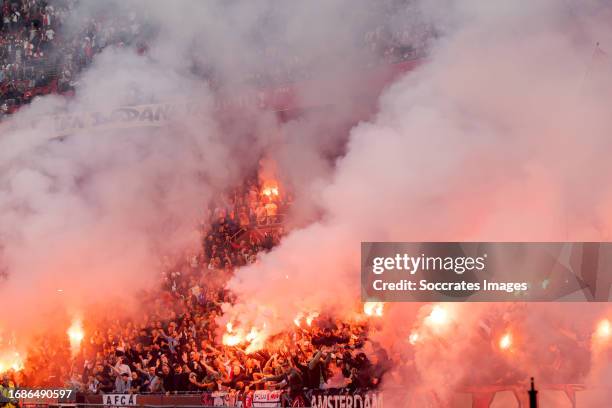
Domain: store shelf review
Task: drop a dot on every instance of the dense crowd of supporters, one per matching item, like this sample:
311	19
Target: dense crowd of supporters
230	237
45	44
174	344
179	353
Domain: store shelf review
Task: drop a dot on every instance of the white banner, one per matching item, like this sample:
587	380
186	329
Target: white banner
119	400
365	400
124	117
267	399
223	399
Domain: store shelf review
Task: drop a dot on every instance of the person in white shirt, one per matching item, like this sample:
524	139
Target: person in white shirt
122	368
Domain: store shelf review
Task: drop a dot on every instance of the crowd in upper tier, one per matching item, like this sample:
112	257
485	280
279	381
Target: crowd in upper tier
45	44
39	54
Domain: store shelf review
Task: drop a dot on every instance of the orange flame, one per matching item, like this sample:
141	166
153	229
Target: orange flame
373	308
254	338
270	192
75	335
10	360
270	188
311	317
505	342
438	316
252	335
604	329
231	338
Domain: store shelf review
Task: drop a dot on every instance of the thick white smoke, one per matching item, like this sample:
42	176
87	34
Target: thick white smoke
87	214
86	218
501	134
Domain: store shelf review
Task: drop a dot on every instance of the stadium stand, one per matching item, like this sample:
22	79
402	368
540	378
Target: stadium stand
42	51
174	347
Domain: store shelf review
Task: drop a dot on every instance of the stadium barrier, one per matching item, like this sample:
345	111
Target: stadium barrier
330	398
507	396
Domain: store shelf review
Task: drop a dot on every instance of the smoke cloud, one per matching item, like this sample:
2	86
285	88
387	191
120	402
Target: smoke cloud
499	135
86	218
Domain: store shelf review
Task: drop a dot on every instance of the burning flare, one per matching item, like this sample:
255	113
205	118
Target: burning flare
310	317
438	316
604	329
230	338
505	342
270	189
373	308
11	360
254	338
75	335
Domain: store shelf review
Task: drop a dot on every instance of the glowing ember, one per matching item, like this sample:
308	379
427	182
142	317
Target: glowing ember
298	320
505	342
75	335
438	316
229	327
604	329
413	338
373	308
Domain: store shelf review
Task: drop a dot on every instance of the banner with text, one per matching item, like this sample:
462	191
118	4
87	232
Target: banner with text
250	399
267	398
119	400
221	399
340	398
